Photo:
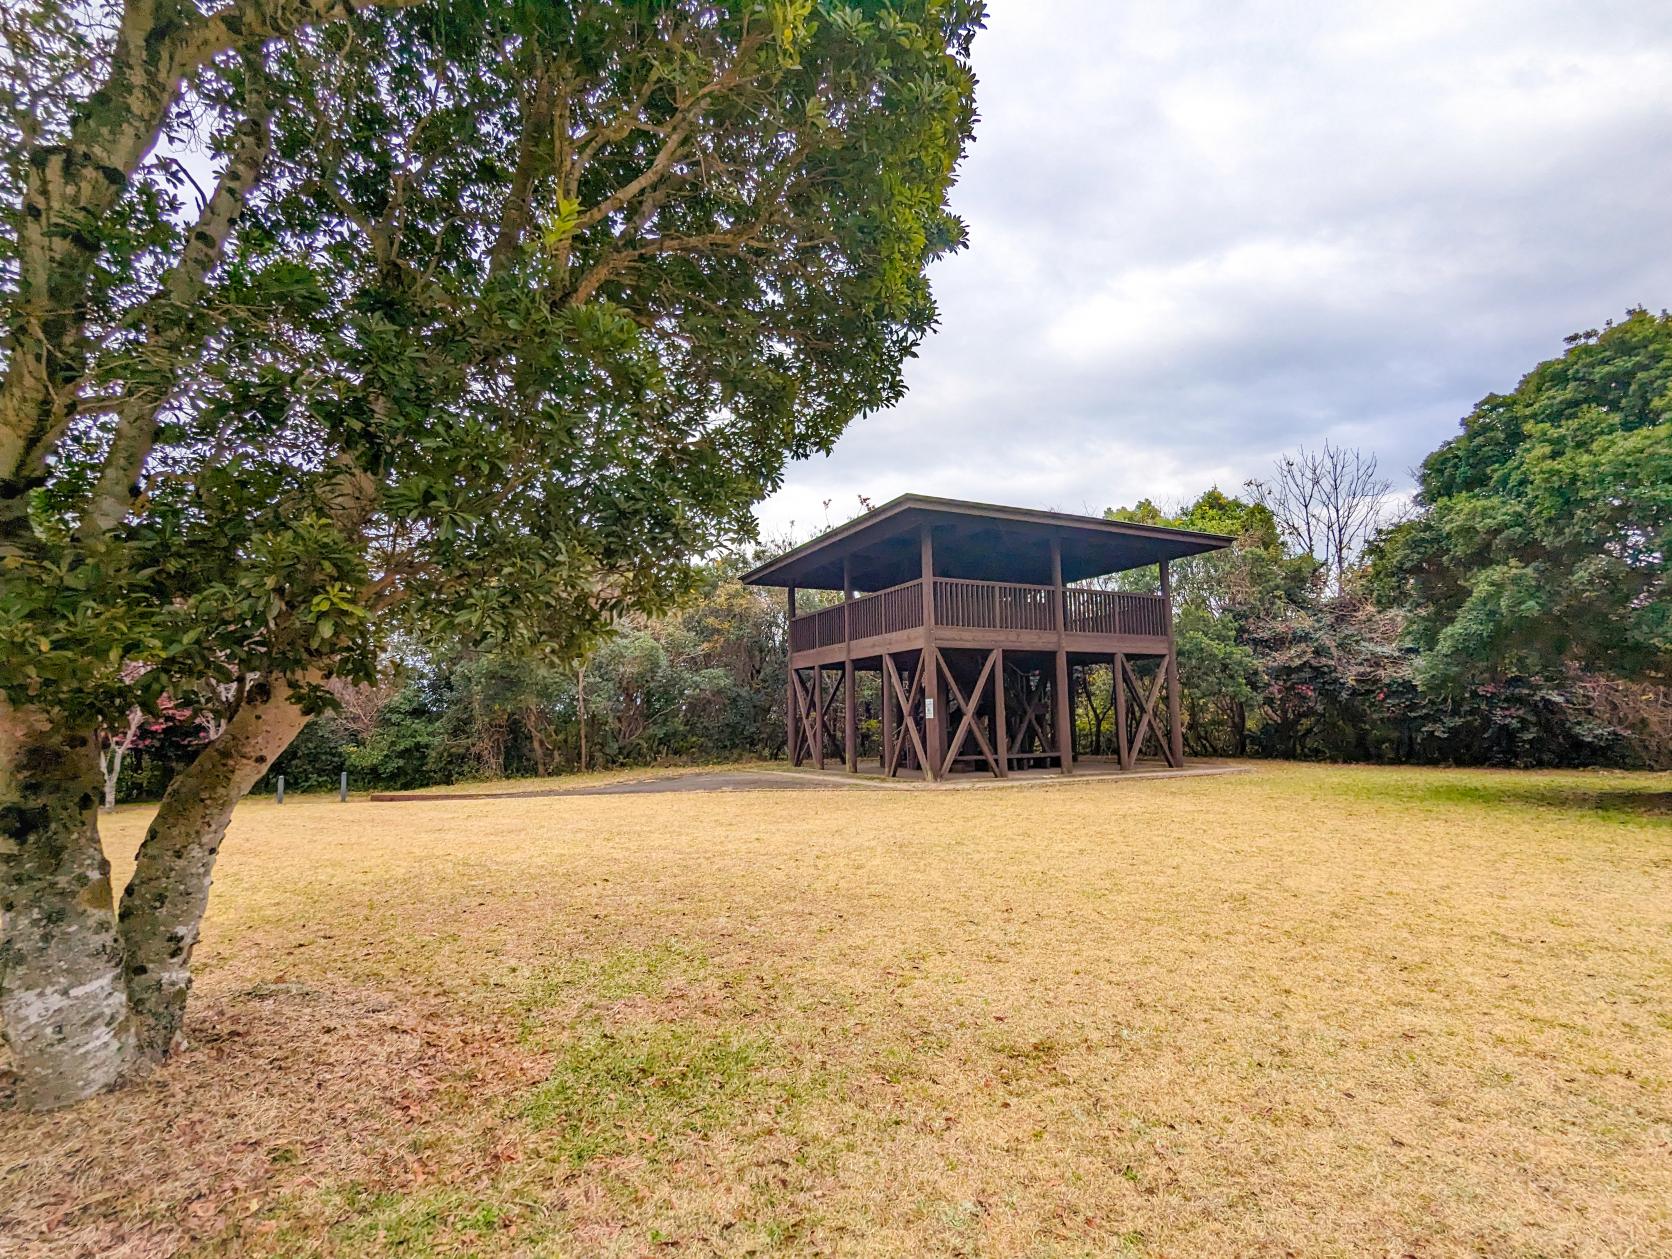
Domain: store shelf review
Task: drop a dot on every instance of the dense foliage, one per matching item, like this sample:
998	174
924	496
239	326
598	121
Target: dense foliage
1411	652
522	305
703	683
1277	662
1545	533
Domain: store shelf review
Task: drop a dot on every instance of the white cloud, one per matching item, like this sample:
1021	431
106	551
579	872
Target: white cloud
1204	233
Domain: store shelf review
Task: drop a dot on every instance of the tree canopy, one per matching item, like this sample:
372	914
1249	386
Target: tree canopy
1544	528
492	315
514	307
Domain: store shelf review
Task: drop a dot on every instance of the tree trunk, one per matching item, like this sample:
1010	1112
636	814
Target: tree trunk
62	1004
163	905
111	760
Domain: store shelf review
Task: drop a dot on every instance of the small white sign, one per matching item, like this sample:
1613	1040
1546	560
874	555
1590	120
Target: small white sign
929	708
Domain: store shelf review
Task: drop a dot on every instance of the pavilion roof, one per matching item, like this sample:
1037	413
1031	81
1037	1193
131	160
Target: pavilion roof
980	541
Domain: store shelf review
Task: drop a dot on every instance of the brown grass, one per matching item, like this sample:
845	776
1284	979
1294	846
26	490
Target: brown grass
1300	1011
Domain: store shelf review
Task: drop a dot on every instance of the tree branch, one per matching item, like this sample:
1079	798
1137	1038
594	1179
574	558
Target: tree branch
172	332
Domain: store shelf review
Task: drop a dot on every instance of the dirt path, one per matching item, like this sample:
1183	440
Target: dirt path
720	780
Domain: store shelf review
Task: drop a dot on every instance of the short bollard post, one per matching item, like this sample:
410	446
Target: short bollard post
342	788
278	796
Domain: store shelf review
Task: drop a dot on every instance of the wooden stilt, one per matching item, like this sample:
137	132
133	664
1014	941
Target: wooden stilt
1064	716
887	716
934	696
934	714
792	713
1123	734
1001	733
1064	701
850	719
850	714
1175	724
908	716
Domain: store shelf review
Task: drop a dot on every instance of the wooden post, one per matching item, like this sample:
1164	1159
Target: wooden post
850	714
792	711
1121	738
1065	702
887	718
1001	732
1175	727
934	698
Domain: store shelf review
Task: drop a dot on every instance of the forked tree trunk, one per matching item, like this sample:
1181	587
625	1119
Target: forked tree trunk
163	905
63	1006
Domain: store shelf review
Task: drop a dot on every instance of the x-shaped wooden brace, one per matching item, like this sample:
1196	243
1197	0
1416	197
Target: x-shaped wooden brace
968	725
814	715
1033	708
838	737
1145	722
908	719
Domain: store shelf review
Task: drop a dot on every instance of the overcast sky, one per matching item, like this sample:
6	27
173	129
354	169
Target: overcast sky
1202	234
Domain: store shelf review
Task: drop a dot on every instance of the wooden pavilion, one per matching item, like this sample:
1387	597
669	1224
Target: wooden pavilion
971	616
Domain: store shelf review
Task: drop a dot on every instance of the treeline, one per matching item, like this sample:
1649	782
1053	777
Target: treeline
1276	660
1516	612
703	683
1284	652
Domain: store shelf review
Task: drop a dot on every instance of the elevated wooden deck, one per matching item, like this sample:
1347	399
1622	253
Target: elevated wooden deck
975	620
1015	615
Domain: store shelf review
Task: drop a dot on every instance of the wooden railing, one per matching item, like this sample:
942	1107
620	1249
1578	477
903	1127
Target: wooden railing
823	628
995	605
888	611
1002	605
1114	612
881	612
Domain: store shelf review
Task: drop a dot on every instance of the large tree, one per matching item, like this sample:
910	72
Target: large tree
1543	538
493	313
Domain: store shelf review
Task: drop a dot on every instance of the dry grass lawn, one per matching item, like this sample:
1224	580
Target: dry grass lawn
1301	1011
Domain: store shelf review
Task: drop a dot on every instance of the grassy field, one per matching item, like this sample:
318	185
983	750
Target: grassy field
1300	1011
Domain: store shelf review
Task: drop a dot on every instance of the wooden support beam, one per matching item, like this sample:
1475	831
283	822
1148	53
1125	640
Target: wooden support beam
1148	700
887	716
1001	733
1034	699
818	717
1064	716
934	696
1065	702
792	716
926	574
1175	724
850	710
969	725
1123	733
850	719
907	699
809	731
